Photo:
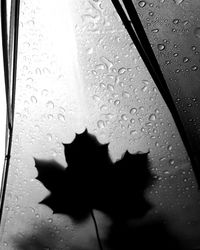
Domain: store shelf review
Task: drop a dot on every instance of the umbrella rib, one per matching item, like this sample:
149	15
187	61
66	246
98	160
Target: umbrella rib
10	69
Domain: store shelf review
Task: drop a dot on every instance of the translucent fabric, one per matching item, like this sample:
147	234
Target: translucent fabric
77	69
173	30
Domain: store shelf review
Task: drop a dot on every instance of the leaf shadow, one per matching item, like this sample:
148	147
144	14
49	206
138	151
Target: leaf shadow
93	181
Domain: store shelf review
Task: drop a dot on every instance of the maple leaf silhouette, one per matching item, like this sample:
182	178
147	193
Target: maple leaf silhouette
93	181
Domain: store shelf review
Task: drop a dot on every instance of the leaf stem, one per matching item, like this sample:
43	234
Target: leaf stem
96	229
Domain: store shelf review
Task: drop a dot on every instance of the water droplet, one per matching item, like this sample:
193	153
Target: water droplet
185	22
102	85
166	172
50	105
155	30
194	68
110	100
138	68
124	117
107	61
50	116
37	216
46	70
96	98
144	88
32	209
100	124
90	51
141	108
53	152
121	84
133	132
38	71
121	71
62	109
177	71
116	102
175	54
178	1
169	147
61	117
100	67
176	21
152	117
148	124
133	111
162	159
125	94
103	107
49	137
161	46
110	87
109	116
173	136
50	220
33	99
44	92
145	82
5	243
193	48
94	72
29	80
117	79
142	4
18	115
185	59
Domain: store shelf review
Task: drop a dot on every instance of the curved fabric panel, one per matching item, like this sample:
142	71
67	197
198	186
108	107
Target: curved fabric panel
78	69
